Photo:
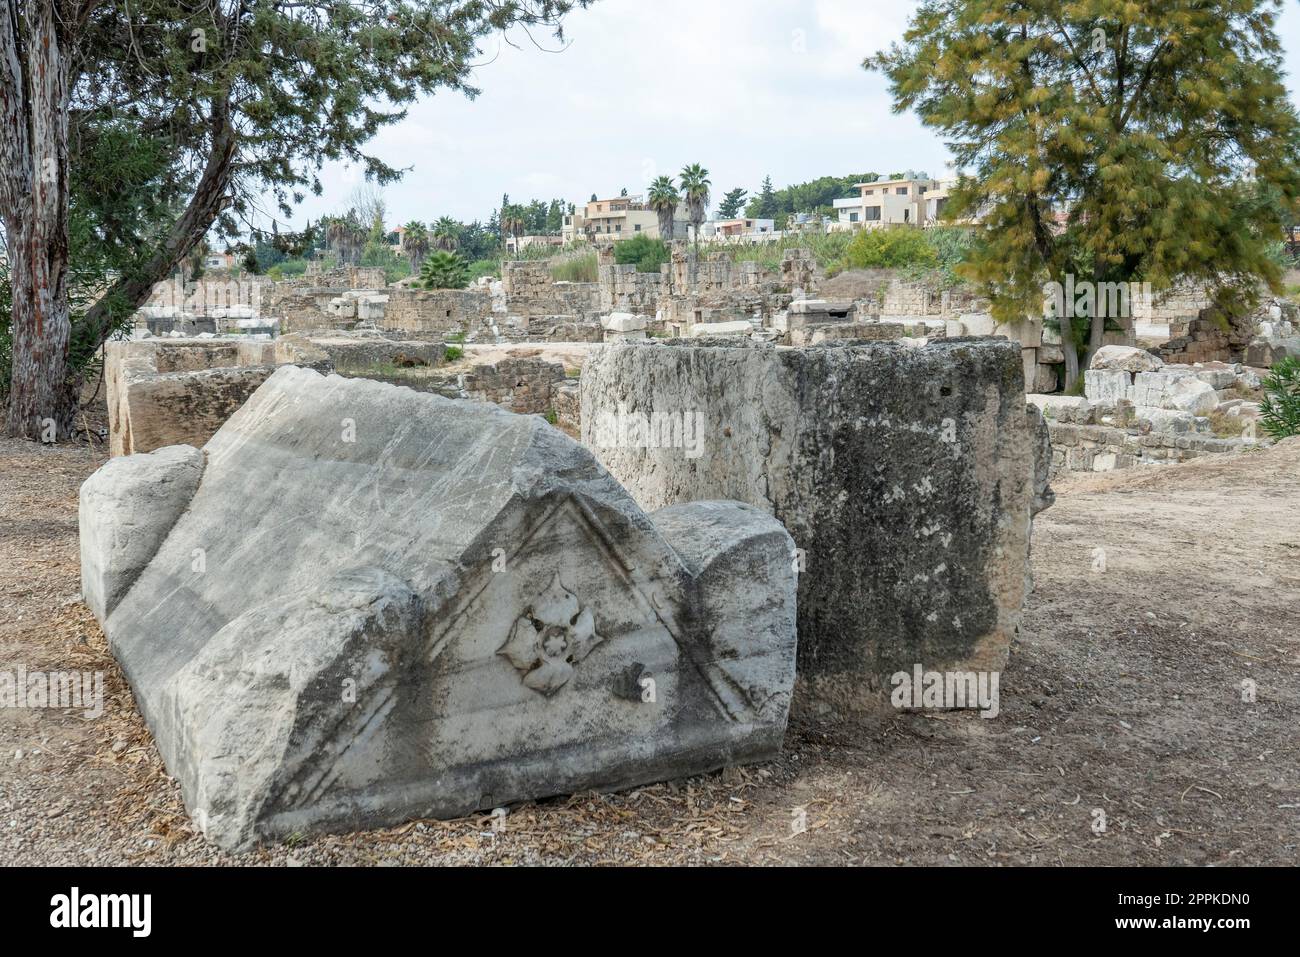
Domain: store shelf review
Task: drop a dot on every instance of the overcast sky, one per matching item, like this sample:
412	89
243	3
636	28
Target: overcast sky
748	88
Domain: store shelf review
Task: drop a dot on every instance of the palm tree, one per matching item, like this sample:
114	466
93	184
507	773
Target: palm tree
695	190
345	237
663	200
512	224
415	243
444	270
446	232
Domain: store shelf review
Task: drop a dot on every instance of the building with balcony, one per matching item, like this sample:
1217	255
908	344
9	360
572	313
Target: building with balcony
893	202
623	217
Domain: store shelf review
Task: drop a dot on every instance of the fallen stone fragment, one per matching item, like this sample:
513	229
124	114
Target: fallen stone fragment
379	604
1125	358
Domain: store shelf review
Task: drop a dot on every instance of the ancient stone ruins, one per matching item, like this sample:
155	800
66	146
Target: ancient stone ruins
359	604
368	553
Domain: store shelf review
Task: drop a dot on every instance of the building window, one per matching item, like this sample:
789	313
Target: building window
638	227
901	190
868	192
871	214
853	217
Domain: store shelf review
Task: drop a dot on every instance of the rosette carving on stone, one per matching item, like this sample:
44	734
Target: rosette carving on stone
550	638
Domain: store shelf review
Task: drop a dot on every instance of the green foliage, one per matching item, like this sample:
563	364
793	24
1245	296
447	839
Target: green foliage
764	205
816	196
695	194
1107	139
119	203
379	253
452	353
732	203
484	267
444	270
645	253
1279	412
576	267
288	269
890	247
828	249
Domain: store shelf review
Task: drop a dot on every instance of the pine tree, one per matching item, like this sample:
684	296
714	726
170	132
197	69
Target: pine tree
731	204
766	200
1109	140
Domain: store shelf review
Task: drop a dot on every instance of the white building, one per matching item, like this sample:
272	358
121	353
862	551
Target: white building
742	230
907	201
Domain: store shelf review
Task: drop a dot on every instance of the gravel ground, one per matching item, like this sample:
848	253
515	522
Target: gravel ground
1123	696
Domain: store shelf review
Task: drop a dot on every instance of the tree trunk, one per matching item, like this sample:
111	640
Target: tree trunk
1096	334
1071	356
34	204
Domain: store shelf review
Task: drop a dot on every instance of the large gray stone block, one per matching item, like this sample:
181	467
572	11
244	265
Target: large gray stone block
382	604
905	476
125	511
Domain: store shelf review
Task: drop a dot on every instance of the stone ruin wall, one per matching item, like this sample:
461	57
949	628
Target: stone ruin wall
530	290
166	391
434	311
1095	447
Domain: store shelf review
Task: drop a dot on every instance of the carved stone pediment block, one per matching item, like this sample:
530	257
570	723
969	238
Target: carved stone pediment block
360	604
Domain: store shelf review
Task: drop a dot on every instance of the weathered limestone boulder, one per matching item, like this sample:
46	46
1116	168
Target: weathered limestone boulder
380	604
1125	358
978	324
126	510
832	331
1264	352
905	475
342	307
623	326
1181	391
623	322
1165	420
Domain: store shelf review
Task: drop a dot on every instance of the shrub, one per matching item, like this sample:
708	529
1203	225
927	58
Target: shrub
453	353
484	267
444	270
1279	413
645	253
893	246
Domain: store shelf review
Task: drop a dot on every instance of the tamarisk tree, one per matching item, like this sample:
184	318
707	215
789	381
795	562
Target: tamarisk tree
1111	140
250	97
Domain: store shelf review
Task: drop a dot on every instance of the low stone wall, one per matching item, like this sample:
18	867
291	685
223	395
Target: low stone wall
1205	341
813	334
180	391
905	475
438	312
523	385
530	291
1102	448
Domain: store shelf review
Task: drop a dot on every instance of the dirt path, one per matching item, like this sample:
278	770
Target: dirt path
1124	696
